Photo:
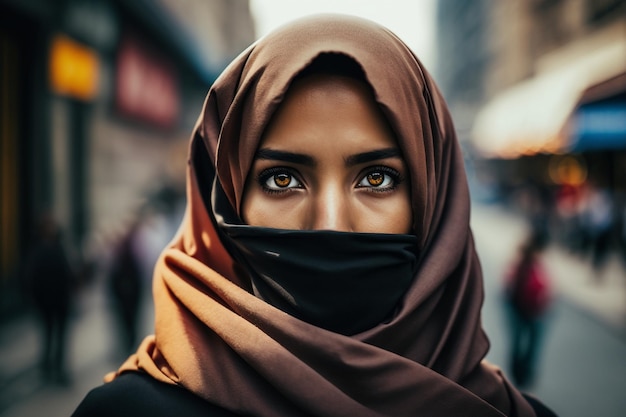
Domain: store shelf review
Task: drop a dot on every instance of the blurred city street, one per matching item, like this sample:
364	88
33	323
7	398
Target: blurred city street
582	366
99	98
93	351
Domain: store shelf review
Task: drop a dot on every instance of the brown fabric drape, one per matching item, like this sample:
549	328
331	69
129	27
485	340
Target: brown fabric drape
215	338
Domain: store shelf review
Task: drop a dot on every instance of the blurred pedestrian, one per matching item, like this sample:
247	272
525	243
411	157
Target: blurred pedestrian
528	296
534	201
569	208
51	283
599	219
325	265
125	284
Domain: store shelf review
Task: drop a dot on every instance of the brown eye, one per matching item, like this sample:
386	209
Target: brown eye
282	180
278	179
375	178
380	179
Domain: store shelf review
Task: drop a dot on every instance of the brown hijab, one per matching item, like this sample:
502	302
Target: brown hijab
216	339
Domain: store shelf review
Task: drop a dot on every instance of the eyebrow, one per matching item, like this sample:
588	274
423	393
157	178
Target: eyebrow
365	157
295	158
302	159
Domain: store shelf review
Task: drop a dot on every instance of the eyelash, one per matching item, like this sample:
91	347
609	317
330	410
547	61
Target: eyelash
265	175
396	178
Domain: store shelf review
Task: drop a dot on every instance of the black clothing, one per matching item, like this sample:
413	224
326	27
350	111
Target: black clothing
540	409
135	394
51	283
125	286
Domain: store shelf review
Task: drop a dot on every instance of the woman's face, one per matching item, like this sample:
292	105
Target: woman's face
328	161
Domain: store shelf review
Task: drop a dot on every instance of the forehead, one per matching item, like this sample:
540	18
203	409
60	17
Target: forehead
320	91
328	109
329	118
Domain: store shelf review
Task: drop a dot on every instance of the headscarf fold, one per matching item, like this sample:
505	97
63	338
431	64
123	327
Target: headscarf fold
216	339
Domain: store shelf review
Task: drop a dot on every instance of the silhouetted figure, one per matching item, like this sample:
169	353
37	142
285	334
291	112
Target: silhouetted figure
51	282
528	298
125	286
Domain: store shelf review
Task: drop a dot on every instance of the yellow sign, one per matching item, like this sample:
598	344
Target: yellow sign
74	69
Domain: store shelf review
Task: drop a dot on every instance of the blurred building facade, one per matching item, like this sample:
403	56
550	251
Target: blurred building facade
99	98
548	61
463	58
539	88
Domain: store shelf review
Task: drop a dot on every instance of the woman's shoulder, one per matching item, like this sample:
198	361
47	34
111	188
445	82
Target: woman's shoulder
137	394
540	408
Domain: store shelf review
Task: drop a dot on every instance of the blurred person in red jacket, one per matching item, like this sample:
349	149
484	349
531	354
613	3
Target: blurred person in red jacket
528	295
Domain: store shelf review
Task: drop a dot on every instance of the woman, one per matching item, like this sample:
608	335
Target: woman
325	266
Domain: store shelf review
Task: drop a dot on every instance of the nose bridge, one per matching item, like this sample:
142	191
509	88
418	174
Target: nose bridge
331	208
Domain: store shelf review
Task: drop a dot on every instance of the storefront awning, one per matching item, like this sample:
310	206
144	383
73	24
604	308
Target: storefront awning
599	126
535	115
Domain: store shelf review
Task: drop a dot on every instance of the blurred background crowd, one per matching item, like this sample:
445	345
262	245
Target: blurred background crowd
98	99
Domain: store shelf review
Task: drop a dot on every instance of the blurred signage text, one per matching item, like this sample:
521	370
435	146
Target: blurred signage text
146	85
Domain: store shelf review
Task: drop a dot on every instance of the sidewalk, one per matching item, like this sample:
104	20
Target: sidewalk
92	352
582	356
603	293
603	296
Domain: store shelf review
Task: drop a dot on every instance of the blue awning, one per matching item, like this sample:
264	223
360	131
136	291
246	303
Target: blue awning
599	127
